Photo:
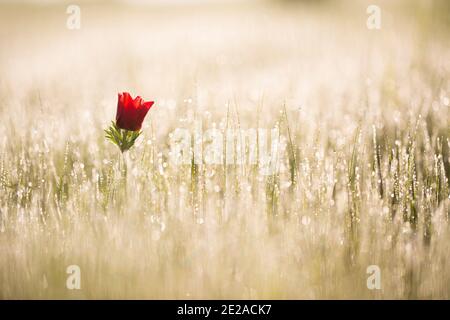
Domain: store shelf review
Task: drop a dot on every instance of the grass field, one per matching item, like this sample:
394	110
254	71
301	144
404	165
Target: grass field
363	178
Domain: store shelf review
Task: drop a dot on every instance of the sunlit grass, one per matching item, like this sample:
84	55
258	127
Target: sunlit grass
363	178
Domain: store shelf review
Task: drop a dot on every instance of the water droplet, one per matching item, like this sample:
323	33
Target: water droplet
306	220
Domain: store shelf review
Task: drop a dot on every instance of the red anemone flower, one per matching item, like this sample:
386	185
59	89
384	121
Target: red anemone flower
131	112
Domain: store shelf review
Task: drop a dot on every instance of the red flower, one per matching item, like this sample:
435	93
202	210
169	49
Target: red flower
131	113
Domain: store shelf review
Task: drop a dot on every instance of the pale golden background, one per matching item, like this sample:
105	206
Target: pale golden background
340	92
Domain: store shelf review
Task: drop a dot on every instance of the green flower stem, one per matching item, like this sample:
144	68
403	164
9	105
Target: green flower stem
124	139
123	165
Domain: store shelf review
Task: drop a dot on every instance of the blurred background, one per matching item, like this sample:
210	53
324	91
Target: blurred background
210	50
226	232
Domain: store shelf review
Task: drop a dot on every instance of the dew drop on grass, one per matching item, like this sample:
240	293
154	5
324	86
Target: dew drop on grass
306	220
446	101
286	184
